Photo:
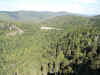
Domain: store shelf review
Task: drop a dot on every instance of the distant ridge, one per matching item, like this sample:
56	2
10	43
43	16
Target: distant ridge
31	16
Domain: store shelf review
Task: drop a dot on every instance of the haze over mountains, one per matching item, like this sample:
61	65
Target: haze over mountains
30	16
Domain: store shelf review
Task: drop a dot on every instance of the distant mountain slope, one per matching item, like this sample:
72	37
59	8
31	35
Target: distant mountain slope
46	18
65	21
96	20
29	15
98	16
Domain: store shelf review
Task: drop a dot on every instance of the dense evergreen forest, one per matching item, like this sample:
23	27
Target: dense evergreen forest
49	44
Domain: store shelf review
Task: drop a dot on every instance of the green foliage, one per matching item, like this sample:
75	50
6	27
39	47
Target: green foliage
71	49
75	49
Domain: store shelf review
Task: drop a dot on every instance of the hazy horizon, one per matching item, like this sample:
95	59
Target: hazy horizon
86	7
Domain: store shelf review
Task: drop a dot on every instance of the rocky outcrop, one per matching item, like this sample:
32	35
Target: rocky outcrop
14	30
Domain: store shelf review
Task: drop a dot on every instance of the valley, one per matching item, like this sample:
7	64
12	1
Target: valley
48	43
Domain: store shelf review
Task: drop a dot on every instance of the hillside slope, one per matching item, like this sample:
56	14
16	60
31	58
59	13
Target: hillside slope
35	51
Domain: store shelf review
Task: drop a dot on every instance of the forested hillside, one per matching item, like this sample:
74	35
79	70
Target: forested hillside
67	44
